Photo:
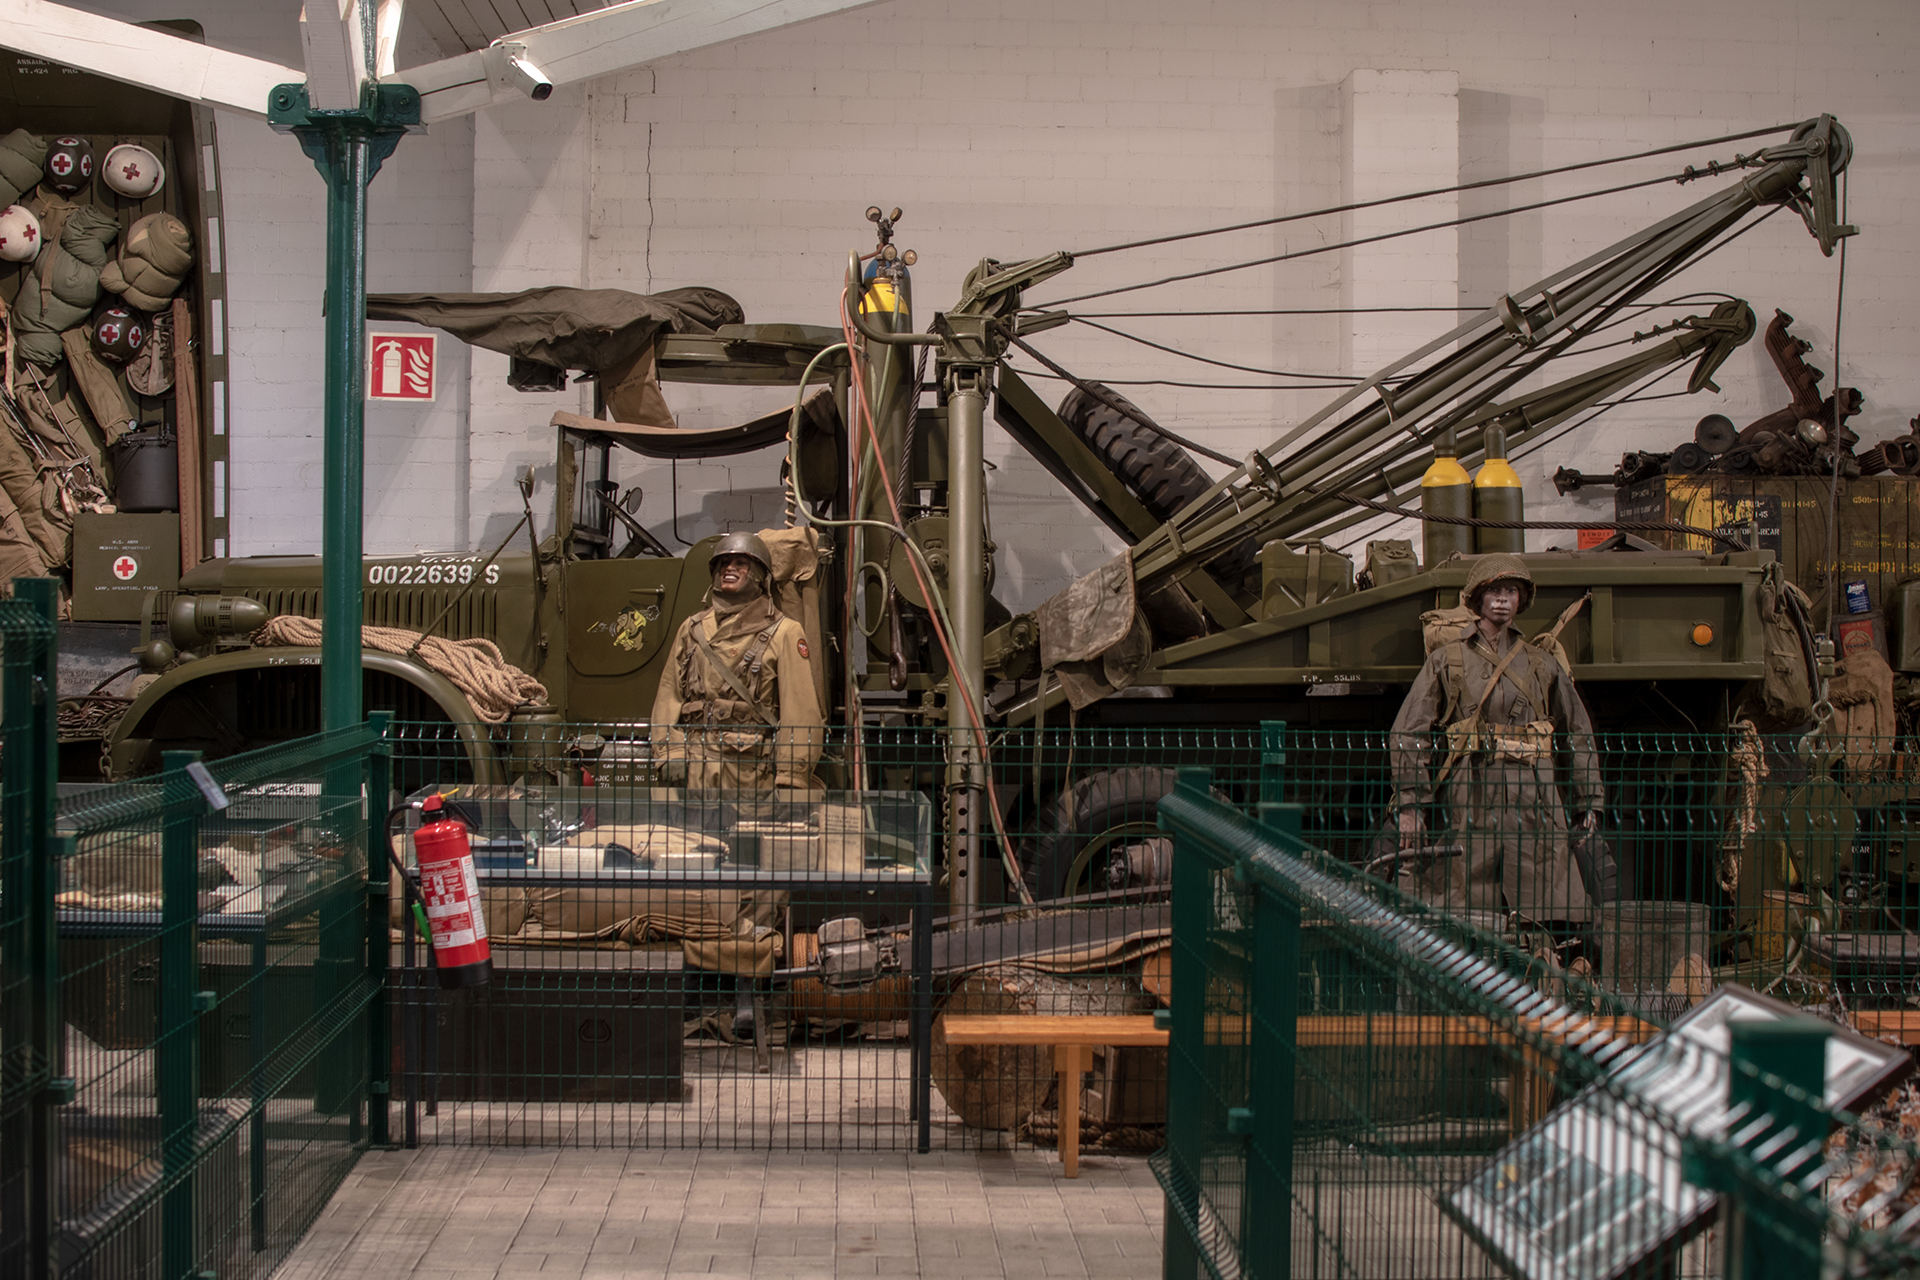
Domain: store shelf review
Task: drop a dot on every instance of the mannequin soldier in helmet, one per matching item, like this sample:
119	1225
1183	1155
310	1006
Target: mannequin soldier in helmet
1502	702
736	706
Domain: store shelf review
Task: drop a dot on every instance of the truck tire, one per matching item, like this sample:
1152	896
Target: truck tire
1161	474
1103	833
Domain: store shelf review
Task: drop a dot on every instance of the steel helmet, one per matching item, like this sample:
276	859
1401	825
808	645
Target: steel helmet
742	544
1499	567
69	164
19	234
119	332
133	171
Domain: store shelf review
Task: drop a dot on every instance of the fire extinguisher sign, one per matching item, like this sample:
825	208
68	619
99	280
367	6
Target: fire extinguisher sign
402	366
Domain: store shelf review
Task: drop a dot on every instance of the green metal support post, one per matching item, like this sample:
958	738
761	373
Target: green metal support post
1274	1044
31	1031
1193	893
176	1064
379	1017
347	147
1773	1242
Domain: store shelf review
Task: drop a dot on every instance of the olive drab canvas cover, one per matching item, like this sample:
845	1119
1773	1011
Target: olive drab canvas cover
609	332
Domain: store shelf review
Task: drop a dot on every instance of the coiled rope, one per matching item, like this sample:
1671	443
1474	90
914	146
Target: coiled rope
476	667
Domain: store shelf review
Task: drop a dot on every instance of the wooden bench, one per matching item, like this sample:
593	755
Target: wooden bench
1073	1039
1902	1024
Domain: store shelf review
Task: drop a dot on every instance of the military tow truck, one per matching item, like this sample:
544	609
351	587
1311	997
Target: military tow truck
1230	603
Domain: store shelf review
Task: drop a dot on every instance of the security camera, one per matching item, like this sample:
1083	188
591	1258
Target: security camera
514	71
529	79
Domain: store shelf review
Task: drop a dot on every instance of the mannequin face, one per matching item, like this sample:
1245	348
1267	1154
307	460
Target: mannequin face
732	574
1498	605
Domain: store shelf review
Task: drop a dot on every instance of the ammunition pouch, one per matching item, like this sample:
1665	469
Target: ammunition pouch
1465	737
1529	743
729	724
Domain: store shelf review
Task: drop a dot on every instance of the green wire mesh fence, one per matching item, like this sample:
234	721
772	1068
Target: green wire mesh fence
214	1017
1363	1084
1714	859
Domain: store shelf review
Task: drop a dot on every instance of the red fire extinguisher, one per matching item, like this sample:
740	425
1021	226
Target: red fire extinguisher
450	897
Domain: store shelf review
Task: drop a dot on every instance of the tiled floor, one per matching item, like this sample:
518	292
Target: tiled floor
454	1213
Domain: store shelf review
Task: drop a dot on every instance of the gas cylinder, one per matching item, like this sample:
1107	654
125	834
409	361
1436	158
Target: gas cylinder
1497	496
450	892
1446	490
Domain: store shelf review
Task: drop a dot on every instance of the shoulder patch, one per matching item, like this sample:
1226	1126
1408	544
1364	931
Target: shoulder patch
802	646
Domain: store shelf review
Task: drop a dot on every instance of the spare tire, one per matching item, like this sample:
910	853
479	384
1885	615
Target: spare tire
1101	833
1160	473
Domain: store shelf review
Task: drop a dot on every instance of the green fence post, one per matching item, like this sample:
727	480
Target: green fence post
1767	1239
31	1036
1274	1045
1186	1042
379	1026
1273	760
176	1064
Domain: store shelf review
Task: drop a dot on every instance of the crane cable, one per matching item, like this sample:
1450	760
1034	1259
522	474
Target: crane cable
1467	220
1478	185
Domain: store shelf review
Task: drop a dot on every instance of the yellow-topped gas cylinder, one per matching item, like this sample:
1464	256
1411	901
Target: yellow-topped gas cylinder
1445	490
1497	496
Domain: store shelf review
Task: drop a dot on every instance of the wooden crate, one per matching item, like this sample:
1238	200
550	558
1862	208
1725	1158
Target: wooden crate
1877	517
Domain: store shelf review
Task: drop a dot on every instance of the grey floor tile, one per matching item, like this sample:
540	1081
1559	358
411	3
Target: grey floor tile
466	1213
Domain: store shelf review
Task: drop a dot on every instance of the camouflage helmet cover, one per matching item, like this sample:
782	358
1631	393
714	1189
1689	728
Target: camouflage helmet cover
1499	567
742	544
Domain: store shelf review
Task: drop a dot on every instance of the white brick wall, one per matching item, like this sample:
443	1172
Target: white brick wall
530	229
1012	129
1071	123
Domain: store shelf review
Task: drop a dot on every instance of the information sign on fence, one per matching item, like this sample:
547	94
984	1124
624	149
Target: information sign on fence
1599	1186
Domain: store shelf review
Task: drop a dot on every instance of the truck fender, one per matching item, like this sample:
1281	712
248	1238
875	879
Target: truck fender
471	729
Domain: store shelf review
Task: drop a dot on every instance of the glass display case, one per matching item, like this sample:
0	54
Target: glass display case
269	856
594	832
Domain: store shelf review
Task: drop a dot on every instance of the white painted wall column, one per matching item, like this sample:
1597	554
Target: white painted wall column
1401	133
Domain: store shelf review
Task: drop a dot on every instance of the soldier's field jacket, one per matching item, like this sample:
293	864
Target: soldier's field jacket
700	718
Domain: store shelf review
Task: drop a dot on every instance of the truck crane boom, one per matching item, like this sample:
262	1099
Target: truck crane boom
1283	489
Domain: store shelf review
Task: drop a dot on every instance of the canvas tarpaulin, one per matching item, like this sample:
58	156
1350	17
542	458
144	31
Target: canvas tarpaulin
608	332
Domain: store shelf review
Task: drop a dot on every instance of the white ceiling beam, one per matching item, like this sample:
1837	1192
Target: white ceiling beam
142	56
596	44
339	55
387	31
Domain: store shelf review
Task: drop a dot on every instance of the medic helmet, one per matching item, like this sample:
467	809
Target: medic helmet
132	171
118	334
69	164
19	234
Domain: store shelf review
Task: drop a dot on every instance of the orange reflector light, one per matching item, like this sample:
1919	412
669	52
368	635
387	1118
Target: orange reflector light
1702	634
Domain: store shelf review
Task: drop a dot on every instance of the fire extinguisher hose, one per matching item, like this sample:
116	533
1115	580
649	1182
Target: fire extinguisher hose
416	906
